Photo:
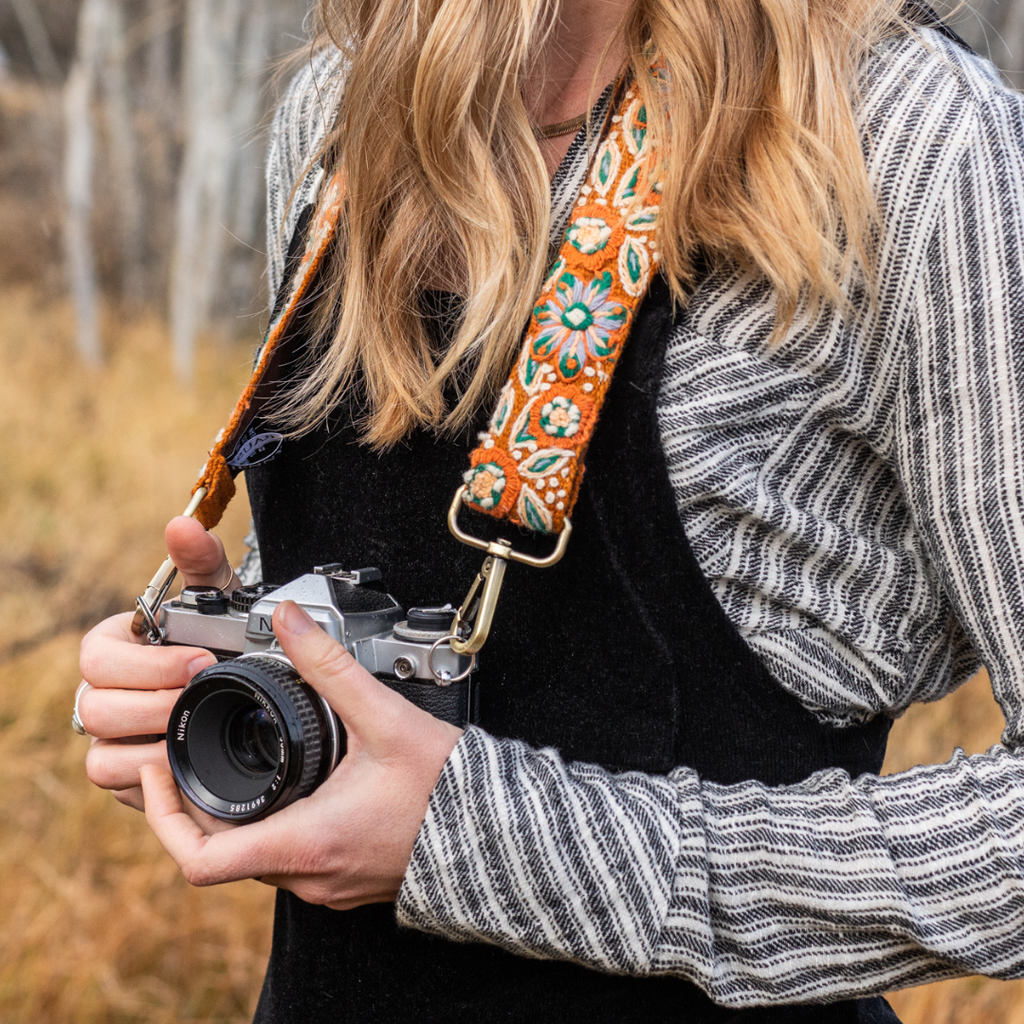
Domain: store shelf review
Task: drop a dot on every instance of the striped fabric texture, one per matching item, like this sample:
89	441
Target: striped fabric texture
854	495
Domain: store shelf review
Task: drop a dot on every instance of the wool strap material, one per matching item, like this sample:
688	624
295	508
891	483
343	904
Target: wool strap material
529	464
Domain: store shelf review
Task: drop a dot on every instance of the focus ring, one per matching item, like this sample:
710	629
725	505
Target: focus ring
293	688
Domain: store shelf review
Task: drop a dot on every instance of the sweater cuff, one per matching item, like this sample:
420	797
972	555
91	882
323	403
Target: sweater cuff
542	858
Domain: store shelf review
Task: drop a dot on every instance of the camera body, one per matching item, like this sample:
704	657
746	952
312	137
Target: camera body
248	735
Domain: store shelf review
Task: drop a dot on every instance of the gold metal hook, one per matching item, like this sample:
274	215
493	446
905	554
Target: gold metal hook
482	599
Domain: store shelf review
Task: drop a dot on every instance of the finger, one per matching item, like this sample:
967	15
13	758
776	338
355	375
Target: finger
357	697
118	627
111	714
198	554
130	797
204	859
107	660
111	764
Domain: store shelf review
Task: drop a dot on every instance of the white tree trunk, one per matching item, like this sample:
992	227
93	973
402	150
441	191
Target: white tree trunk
123	153
247	178
80	126
211	37
159	80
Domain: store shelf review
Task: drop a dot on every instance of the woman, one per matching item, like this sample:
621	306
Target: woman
821	388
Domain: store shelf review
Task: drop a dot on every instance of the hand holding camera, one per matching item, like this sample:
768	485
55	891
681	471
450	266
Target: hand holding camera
350	841
133	686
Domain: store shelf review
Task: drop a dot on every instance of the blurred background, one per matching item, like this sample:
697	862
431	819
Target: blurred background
132	137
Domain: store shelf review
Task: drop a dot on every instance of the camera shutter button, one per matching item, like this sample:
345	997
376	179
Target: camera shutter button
189	595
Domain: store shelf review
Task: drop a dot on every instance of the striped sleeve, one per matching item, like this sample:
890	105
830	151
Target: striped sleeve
834	887
759	895
300	123
959	413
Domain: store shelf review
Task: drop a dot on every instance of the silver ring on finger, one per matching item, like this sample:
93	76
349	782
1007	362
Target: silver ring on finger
76	718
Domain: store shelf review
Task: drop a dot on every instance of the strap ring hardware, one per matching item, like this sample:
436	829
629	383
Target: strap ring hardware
441	676
479	604
503	548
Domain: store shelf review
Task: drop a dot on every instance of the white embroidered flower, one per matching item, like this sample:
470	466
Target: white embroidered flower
589	234
560	417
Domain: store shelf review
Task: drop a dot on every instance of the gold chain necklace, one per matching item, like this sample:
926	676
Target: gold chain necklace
571	126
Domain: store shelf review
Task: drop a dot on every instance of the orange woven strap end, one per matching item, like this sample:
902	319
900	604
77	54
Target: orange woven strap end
220	489
218	474
528	466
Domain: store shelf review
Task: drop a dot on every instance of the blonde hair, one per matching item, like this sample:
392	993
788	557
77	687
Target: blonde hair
753	119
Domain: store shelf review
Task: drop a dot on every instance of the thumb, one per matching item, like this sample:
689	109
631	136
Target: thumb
360	700
198	554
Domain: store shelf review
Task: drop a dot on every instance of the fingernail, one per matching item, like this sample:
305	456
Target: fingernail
198	664
294	619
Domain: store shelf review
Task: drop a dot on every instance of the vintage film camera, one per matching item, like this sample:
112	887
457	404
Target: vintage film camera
248	736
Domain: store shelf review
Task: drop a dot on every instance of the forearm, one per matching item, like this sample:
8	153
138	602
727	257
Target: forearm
759	895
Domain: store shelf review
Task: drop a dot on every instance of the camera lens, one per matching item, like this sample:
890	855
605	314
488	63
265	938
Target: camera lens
249	736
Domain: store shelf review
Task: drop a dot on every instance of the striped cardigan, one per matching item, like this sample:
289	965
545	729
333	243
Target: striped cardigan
855	495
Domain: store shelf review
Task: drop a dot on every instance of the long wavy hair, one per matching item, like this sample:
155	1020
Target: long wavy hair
446	188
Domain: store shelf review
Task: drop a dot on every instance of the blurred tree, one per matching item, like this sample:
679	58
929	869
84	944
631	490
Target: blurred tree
164	102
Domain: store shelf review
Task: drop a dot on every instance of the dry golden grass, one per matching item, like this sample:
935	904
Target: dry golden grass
95	923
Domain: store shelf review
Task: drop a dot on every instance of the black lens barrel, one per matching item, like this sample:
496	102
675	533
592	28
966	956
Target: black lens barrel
248	736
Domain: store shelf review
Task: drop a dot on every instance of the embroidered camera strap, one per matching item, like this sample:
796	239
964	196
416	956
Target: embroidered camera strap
217	477
529	464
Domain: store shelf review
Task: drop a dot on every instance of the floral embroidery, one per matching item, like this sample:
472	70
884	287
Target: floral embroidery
578	327
589	234
486	482
560	417
529	465
578	322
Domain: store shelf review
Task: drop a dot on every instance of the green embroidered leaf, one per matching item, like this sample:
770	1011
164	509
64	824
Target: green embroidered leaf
633	267
628	188
547	462
532	512
503	411
643	219
529	371
521	428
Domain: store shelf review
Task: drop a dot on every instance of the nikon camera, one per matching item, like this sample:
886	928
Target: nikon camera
248	735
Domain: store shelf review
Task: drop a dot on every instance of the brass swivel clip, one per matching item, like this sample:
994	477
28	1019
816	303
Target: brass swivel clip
476	613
